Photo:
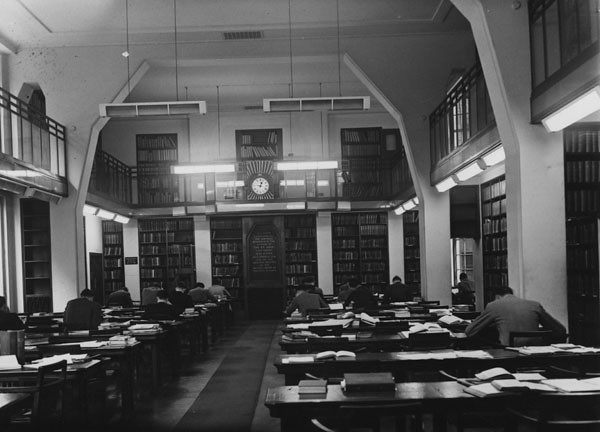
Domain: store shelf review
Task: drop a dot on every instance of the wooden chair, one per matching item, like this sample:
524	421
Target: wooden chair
47	389
372	417
568	412
536	337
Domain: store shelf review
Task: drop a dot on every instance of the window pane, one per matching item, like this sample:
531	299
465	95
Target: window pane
588	24
552	39
537	52
569	31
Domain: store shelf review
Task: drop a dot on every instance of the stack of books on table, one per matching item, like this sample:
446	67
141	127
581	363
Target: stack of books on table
121	341
144	328
298	336
312	386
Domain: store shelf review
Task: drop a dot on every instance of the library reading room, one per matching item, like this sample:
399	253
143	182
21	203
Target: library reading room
299	215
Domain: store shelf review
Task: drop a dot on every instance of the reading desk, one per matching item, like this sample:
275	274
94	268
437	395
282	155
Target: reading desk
12	403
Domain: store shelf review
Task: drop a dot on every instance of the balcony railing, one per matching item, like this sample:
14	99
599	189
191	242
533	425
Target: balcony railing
111	177
27	135
465	111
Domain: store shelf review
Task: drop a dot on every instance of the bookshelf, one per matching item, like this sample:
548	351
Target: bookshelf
300	250
259	144
155	155
112	254
582	207
412	255
362	163
494	238
360	248
37	261
167	252
227	252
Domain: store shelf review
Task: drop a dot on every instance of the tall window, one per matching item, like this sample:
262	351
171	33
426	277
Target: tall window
462	258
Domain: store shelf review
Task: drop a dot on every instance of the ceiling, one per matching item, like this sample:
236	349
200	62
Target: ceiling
296	50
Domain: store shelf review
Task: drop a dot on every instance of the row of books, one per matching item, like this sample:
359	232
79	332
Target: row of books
167	225
158	141
112	251
345	256
495	262
230	223
345	219
152	198
494	208
156	237
372	218
113	262
582	201
583	258
374	254
157	155
299	257
230	282
376	230
344	244
373	267
493	190
412	253
363	136
494	226
495	244
151	273
373	243
112	239
370	278
158	182
411	240
585	233
300	232
491	280
226	271
258	152
299	268
344	267
345	231
111	227
582	141
361	164
363	176
113	285
299	245
227	246
227	259
297	222
411	217
582	171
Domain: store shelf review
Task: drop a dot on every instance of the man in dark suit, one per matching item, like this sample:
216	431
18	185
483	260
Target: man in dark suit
199	294
360	296
120	297
162	309
398	292
180	299
305	301
83	313
510	313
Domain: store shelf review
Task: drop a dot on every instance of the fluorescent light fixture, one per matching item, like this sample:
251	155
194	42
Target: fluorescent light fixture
20	173
344	205
291	182
202	169
105	214
179	211
409	205
89	210
322	183
306	165
345	103
296	206
416	200
229	183
143	109
399	210
122	219
469	171
495	156
446	184
574	111
250	205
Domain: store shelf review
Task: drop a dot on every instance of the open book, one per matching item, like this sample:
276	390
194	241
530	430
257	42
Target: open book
337	355
450	319
516	385
368	319
8	362
483	390
571	385
494	374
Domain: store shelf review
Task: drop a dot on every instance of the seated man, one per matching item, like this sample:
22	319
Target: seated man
8	320
398	292
120	297
180	299
219	291
304	301
466	290
83	313
310	281
200	294
360	296
162	309
510	313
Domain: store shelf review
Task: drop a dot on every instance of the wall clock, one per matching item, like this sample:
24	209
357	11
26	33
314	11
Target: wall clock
260	187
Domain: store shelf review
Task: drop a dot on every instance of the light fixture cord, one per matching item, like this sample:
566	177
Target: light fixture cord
290	34
337	4
176	59
219	119
127	45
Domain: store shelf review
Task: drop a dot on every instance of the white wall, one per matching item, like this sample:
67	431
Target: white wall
325	252
130	249
93	242
396	245
203	256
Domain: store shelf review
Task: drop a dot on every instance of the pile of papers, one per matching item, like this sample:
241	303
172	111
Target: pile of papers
554	348
443	354
8	362
93	344
144	328
70	358
121	340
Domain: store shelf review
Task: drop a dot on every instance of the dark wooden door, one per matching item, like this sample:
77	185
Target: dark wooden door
97	277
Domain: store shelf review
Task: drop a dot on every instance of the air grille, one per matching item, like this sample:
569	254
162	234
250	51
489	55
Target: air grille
241	35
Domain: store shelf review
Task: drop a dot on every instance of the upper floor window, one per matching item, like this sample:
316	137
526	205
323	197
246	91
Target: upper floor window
560	31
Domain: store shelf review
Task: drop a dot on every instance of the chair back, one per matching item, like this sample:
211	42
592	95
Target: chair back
434	340
371	415
537	337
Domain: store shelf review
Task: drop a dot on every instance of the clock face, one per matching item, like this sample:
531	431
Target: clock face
260	185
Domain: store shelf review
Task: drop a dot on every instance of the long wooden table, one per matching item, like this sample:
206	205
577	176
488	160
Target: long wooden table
403	364
438	398
12	403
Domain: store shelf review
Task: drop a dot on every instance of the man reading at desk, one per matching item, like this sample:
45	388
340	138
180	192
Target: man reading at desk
83	313
305	301
510	313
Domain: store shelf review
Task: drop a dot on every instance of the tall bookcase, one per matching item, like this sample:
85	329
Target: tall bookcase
259	144
227	251
493	213
412	255
360	248
300	250
582	206
112	254
362	163
166	252
155	155
37	260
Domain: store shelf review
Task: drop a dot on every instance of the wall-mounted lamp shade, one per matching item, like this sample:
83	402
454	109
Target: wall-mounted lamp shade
446	184
296	206
341	103
409	205
143	109
291	182
229	184
574	111
399	210
416	200
122	219
344	205
89	210
306	165
202	169
469	171
495	156
322	183
105	214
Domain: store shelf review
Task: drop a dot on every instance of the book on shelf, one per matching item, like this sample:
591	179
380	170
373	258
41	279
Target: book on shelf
371	381
312	386
335	355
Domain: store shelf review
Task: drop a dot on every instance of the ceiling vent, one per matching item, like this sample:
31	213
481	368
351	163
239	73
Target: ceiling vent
143	109
243	35
347	103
